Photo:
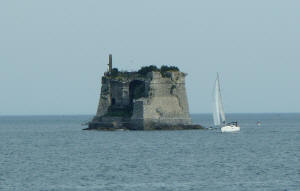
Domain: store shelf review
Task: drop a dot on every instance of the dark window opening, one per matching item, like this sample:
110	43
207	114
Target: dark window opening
136	90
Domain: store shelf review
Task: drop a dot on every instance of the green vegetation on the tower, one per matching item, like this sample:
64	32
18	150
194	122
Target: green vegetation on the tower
143	71
163	69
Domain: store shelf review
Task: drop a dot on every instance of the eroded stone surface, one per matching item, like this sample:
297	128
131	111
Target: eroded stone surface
133	101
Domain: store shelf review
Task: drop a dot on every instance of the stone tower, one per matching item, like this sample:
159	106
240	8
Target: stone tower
147	99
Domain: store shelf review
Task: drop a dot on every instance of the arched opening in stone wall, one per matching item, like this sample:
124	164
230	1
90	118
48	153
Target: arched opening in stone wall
136	90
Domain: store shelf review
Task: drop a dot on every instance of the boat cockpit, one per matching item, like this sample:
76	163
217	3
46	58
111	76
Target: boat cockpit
232	124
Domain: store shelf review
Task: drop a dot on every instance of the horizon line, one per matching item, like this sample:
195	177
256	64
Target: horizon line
41	115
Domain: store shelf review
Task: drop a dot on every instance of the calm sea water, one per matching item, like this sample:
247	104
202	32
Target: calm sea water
53	153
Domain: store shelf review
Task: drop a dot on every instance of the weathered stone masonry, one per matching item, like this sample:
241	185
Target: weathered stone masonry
130	100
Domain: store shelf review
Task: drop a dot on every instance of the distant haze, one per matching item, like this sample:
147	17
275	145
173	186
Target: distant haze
53	53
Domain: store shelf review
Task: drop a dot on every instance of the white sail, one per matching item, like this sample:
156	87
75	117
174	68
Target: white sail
218	114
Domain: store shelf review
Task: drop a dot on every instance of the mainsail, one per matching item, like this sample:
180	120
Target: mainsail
219	115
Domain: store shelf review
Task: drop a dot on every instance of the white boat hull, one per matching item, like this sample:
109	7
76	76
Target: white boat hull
230	128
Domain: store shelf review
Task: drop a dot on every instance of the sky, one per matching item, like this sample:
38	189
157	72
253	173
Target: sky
53	53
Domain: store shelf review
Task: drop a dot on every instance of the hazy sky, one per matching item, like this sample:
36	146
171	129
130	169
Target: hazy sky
53	53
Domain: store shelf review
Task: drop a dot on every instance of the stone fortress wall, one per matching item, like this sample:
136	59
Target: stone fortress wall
165	104
142	102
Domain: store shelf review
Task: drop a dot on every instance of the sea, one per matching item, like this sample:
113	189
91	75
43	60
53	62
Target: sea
54	153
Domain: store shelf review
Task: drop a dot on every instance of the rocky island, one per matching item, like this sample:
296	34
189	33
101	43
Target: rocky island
149	99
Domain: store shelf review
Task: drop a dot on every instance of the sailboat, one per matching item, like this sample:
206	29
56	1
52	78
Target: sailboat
219	114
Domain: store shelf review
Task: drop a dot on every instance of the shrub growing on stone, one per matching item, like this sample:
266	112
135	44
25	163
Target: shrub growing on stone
164	69
114	72
146	69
